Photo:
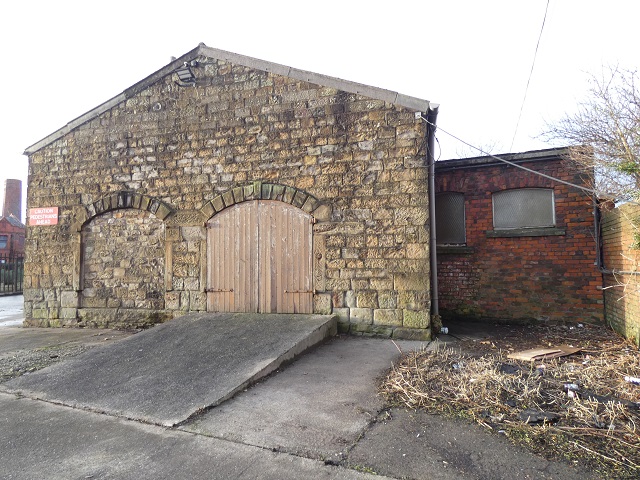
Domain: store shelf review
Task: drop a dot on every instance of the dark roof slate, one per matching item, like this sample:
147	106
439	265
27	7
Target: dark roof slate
13	221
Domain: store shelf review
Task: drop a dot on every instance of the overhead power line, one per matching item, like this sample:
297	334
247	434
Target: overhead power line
522	167
533	63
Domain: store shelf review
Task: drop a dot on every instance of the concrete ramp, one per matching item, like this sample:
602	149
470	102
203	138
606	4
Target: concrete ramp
166	374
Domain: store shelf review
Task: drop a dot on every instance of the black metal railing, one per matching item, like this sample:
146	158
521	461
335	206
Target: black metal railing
11	273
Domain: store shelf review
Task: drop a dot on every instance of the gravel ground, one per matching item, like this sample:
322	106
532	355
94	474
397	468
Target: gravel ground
24	362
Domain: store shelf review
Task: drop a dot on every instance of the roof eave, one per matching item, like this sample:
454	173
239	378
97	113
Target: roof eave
529	156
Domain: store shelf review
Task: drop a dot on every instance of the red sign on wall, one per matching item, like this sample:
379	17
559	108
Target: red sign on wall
43	216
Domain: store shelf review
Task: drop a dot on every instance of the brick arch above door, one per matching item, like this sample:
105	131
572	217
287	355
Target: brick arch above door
306	202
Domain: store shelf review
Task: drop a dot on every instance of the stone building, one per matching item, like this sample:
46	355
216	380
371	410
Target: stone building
513	245
226	183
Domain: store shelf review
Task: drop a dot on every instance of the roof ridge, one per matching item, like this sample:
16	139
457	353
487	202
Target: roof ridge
395	98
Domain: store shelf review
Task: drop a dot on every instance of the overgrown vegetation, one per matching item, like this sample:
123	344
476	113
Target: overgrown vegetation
579	407
605	131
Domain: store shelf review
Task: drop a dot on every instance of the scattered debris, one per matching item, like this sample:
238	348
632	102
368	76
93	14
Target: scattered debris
536	354
509	368
535	417
634	380
580	407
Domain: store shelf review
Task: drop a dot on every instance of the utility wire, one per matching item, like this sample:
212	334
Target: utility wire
530	75
584	189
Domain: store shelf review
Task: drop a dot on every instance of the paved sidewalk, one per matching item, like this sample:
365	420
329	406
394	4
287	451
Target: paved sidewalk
39	440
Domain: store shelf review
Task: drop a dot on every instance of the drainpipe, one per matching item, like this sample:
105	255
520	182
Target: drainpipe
432	115
597	217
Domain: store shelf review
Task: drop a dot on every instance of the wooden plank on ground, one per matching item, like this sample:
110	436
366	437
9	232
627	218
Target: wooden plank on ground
535	354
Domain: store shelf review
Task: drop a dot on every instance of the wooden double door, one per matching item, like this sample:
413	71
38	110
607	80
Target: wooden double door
260	259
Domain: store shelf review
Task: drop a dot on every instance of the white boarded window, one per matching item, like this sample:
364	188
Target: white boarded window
524	208
450	220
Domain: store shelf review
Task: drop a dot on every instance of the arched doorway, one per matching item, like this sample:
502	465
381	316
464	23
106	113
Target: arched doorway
123	261
259	259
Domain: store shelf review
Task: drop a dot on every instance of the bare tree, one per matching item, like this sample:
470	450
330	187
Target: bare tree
489	147
605	134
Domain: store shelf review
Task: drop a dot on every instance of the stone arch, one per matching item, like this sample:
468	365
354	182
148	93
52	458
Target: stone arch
122	260
128	199
268	191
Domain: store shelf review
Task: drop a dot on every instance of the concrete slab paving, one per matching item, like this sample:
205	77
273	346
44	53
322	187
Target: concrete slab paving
318	417
41	440
166	374
325	406
316	407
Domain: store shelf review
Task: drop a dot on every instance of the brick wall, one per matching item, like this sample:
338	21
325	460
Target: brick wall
179	155
620	257
547	276
14	237
12	198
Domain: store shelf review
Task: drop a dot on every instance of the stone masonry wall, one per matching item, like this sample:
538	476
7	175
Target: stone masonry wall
498	277
621	257
178	155
111	280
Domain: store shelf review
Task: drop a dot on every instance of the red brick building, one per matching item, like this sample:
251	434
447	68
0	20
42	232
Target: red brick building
11	236
513	245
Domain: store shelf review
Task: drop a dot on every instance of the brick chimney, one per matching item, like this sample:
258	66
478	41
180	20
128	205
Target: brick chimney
12	198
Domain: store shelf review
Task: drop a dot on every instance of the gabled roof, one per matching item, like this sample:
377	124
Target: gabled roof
13	221
395	98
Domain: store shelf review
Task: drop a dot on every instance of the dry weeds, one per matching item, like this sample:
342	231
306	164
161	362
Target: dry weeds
585	410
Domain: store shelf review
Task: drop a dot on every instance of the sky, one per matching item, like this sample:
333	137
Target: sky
474	58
